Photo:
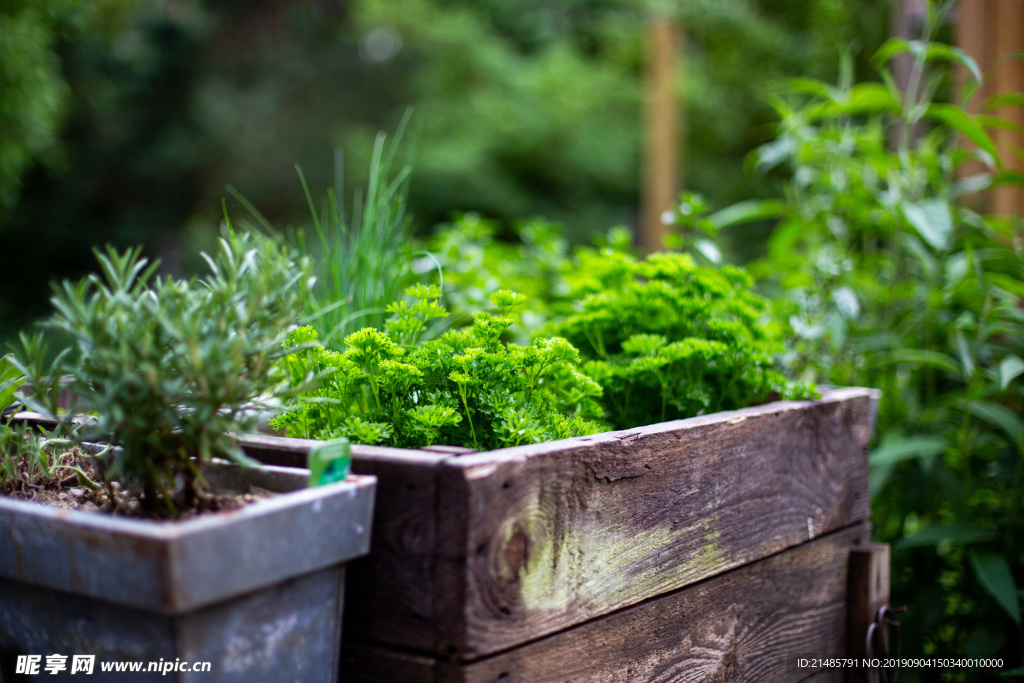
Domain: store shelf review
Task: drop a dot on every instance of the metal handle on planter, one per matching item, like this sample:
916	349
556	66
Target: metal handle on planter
875	642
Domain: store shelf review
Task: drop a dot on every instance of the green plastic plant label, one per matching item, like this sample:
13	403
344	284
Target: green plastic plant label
329	462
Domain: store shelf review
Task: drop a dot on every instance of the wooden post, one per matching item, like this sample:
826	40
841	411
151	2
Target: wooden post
989	30
867	591
661	167
1008	34
973	20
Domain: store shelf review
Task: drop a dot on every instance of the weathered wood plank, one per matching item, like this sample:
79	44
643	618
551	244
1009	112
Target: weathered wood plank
366	664
453	530
277	450
451	450
748	624
745	625
390	593
867	592
557	534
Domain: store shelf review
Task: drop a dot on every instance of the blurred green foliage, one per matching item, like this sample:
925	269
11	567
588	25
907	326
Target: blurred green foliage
537	108
33	92
474	262
531	109
894	282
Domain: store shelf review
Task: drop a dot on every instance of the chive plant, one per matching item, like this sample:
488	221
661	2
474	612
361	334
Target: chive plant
362	261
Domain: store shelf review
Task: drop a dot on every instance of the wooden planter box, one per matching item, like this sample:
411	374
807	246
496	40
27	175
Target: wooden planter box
713	548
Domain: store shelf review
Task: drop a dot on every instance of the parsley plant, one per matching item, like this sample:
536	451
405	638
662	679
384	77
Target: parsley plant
464	388
669	339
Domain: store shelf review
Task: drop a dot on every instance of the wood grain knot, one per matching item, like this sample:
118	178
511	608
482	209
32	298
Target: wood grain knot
517	552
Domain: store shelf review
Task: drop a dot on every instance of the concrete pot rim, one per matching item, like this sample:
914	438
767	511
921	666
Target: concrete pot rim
168	531
175	567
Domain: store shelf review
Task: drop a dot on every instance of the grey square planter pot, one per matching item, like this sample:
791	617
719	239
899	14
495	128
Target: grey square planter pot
257	591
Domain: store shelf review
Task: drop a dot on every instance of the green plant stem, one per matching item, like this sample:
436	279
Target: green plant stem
469	417
373	388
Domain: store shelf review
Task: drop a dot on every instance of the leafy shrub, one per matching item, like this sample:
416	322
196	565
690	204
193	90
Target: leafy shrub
896	283
172	367
669	339
465	388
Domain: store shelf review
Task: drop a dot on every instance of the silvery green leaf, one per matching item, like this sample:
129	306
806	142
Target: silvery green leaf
709	249
1011	368
846	301
933	220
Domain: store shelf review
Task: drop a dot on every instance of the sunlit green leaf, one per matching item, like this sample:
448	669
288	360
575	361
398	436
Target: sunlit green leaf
956	118
933	359
771	154
932	219
917	248
956	269
972	184
1005	99
948	53
11	380
889	49
863	98
964	352
748	211
1009	369
810	86
709	249
846	302
1007	283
